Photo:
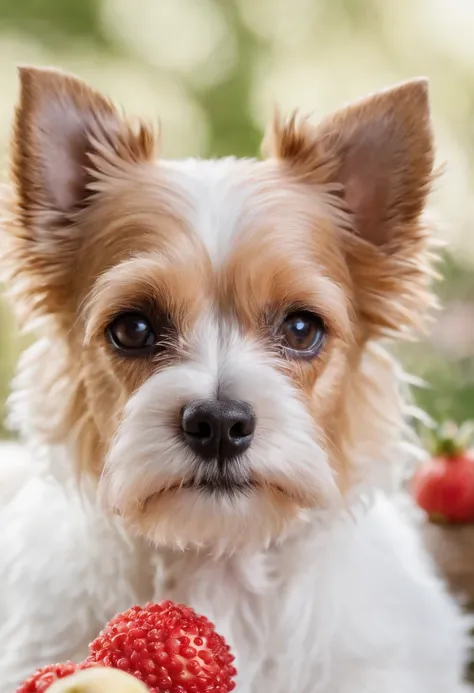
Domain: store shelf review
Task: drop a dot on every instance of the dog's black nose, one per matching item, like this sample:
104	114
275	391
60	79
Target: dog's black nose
218	429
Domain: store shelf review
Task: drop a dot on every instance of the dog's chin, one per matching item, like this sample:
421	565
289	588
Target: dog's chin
219	517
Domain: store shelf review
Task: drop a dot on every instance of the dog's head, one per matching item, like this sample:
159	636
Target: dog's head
207	327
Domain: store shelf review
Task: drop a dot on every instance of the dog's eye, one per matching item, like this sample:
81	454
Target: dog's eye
131	333
303	333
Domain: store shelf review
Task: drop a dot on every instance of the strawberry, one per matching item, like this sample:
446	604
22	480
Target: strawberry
444	485
168	647
44	677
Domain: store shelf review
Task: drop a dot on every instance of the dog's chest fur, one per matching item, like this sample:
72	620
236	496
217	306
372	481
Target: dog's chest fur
335	608
345	607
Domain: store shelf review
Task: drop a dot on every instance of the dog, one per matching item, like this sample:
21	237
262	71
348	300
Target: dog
209	409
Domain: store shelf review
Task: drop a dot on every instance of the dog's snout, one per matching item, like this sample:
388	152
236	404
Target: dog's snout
218	429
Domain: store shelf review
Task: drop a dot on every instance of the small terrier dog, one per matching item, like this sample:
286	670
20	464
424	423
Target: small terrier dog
209	410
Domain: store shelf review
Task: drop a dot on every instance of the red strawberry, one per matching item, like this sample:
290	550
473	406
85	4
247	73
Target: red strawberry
44	677
168	647
444	485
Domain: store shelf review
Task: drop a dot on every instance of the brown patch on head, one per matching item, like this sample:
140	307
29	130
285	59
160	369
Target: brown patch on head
170	294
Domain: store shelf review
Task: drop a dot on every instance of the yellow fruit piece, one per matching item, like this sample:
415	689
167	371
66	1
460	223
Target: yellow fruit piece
98	680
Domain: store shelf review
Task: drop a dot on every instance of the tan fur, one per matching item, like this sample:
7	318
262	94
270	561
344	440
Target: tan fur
378	156
364	263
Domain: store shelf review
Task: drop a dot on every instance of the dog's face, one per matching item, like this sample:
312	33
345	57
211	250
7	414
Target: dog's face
215	315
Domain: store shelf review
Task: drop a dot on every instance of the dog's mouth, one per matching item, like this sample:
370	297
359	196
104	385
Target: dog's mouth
220	487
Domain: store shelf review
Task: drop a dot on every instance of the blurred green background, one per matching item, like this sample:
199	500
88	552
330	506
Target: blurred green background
212	71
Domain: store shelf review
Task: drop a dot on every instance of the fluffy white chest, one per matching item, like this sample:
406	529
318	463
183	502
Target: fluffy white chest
350	608
353	607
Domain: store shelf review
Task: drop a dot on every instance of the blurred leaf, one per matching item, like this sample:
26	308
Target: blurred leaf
54	20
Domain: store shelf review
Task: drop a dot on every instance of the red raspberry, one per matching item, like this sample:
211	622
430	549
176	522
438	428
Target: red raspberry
168	647
44	677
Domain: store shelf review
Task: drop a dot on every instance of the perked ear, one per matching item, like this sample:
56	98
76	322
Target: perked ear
59	122
378	150
68	140
377	155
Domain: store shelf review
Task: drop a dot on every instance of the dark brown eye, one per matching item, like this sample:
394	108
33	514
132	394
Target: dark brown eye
303	333
131	333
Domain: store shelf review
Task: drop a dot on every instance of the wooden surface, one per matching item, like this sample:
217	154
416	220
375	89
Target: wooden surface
453	550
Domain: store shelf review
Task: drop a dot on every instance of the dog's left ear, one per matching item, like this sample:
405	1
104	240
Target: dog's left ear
379	150
378	155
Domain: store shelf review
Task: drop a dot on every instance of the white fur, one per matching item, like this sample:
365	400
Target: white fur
218	192
344	607
338	600
64	570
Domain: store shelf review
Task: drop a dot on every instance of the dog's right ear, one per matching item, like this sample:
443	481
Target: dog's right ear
68	140
59	123
54	118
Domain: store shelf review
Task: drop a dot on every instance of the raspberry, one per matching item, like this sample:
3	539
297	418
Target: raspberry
44	677
168	647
